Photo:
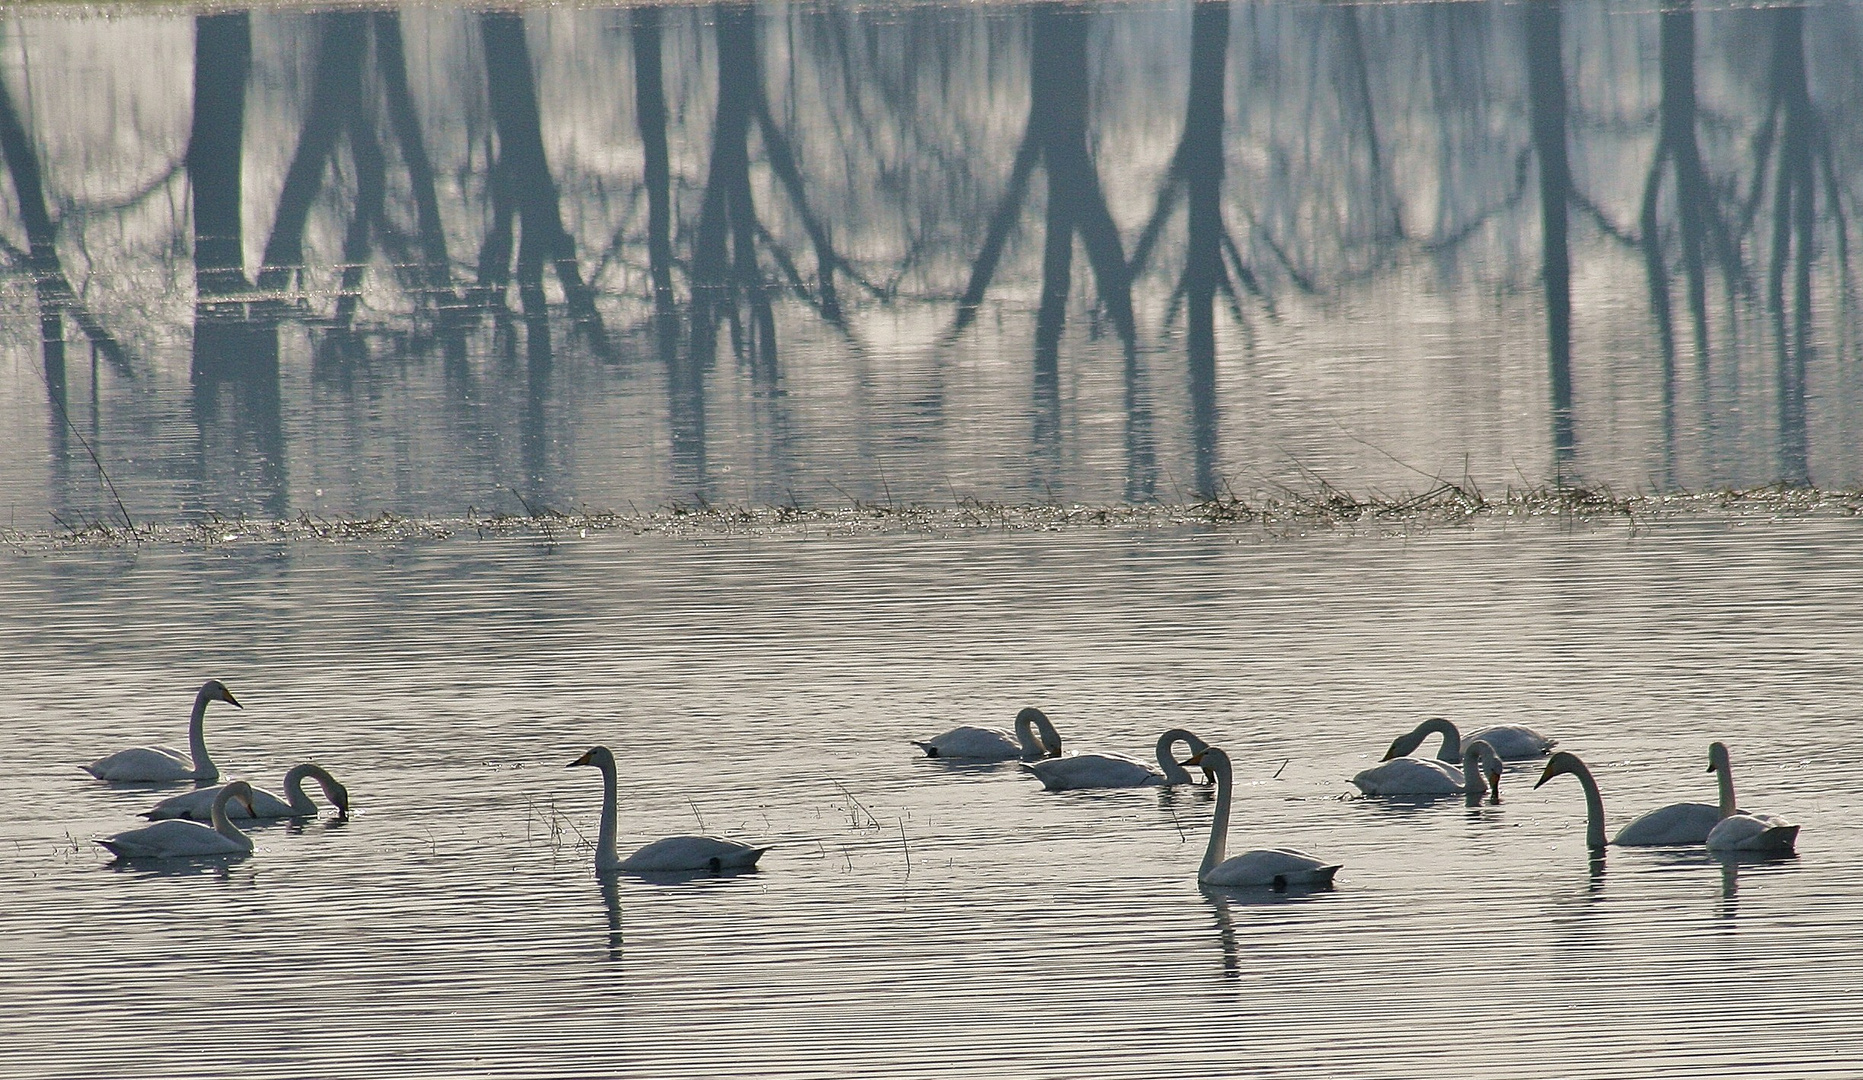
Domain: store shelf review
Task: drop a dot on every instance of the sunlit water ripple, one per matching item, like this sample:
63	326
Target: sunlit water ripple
917	917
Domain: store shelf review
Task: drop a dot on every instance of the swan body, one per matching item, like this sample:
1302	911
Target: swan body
163	764
995	744
674	854
198	804
1753	832
1480	772
1512	741
176	839
1262	868
1116	770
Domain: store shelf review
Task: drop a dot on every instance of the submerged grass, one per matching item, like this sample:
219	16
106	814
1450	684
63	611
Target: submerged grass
1283	511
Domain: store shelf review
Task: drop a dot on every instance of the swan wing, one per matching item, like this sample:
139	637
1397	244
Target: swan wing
1410	776
1514	741
974	743
1093	771
170	840
143	764
1272	868
676	854
1677	823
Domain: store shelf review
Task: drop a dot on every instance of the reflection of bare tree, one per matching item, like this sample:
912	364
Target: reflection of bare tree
1057	138
1699	220
1794	203
1546	103
523	192
1197	171
727	281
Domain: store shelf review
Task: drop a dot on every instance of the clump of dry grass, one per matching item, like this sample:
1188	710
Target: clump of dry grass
1278	511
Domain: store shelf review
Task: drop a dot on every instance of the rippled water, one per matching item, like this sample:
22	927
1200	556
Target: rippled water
916	918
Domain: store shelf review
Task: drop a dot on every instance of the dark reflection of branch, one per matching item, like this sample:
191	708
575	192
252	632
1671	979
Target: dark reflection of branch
523	187
55	295
391	63
1546	91
336	96
650	115
1794	197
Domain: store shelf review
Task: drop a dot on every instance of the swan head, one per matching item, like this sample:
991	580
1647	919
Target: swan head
240	792
1212	758
1560	762
1403	745
599	756
215	690
1717	757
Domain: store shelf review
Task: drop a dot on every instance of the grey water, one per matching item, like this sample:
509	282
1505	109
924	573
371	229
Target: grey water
443	263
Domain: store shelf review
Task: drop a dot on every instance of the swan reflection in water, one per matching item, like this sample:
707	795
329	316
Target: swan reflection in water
611	900
1222	903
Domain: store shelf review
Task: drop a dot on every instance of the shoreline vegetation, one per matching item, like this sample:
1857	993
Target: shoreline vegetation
1281	512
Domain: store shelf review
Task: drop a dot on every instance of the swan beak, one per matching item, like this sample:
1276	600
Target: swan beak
1494	786
1545	776
583	760
230	700
1194	759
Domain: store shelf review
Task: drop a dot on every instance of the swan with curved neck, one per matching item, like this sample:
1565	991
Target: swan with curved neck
1741	830
1480	775
163	764
176	839
995	744
196	805
674	854
1667	826
1264	868
1512	741
1080	771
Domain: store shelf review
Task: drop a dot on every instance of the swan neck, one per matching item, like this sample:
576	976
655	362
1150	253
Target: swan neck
1049	742
223	824
1594	809
1451	749
197	739
1725	777
1219	822
606	857
1167	761
294	788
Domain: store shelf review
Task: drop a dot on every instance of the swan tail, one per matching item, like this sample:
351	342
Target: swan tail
1320	877
1778	838
930	750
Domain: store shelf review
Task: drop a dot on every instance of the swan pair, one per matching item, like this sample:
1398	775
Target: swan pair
1723	828
672	855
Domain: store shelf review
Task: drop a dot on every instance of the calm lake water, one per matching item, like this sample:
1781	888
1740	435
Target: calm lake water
916	917
444	263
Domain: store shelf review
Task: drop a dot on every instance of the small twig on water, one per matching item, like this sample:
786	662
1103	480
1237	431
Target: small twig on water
1277	772
696	814
856	802
903	847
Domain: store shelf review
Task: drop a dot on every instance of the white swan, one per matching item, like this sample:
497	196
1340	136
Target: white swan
995	744
196	805
187	839
675	854
1116	770
1741	830
162	764
1424	776
1273	868
1512	741
1667	826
